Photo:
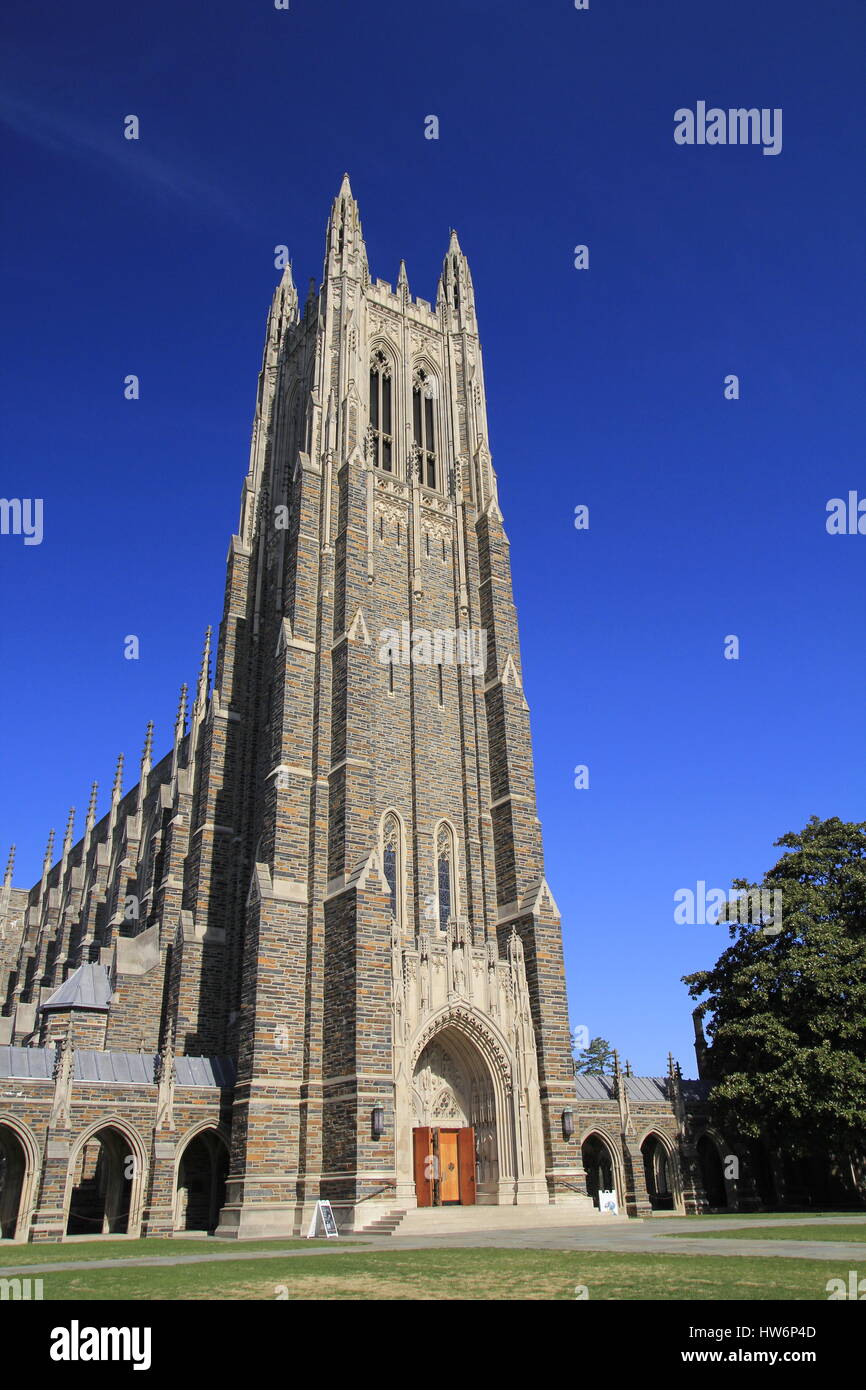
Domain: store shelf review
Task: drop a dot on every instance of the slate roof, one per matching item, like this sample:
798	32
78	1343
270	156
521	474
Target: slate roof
641	1089
127	1068
88	987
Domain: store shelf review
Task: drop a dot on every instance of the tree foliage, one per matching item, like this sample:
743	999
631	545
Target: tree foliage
594	1060
786	1008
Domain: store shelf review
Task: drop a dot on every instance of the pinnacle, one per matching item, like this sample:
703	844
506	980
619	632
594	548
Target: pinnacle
345	188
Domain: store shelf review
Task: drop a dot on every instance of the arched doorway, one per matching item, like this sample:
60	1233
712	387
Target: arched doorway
103	1178
712	1174
201	1182
13	1168
455	1138
600	1168
658	1167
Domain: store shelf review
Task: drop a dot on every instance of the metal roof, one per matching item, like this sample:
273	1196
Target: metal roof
204	1071
133	1068
35	1062
87	987
641	1089
125	1068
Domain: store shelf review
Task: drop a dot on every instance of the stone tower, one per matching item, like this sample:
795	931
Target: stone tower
338	869
402	966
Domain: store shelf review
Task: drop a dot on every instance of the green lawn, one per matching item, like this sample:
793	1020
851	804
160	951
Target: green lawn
457	1274
755	1215
824	1232
50	1252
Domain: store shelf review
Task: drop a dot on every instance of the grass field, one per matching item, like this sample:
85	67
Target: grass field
50	1253
757	1215
461	1274
852	1232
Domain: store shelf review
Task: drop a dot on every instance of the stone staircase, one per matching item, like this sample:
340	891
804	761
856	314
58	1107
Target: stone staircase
434	1221
383	1225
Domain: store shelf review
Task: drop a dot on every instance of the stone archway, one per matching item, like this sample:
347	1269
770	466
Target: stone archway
201	1182
712	1173
472	1075
601	1167
13	1173
661	1172
105	1184
453	1091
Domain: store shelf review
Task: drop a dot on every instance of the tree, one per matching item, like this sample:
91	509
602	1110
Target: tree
594	1060
786	1002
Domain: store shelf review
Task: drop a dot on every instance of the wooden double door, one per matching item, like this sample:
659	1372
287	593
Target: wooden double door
444	1161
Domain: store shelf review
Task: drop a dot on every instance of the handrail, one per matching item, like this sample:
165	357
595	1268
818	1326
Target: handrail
377	1192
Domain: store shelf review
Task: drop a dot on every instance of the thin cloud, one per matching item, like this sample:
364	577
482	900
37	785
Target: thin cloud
65	133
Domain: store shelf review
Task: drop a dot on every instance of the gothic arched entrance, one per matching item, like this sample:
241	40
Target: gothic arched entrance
456	1153
104	1174
712	1173
201	1182
600	1168
659	1172
13	1167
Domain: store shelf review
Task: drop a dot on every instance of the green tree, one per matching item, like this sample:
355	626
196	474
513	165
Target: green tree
786	1002
594	1060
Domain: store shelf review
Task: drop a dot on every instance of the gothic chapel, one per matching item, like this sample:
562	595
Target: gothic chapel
312	953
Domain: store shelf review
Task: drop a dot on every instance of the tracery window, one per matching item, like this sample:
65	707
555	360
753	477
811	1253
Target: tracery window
423	422
391	865
445	871
381	434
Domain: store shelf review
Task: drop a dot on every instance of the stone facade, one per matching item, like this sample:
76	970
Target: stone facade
332	886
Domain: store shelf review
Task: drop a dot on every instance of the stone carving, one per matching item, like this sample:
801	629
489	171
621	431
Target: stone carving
64	1062
165	1082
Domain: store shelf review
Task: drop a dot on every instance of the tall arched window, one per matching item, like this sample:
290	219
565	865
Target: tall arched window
446	869
424	427
381	436
391	862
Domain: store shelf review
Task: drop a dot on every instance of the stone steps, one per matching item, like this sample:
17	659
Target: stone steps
430	1221
383	1225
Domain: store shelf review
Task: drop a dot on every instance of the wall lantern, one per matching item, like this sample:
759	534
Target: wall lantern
378	1122
567	1124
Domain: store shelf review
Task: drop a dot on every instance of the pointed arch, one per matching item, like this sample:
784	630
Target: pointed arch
381	431
446	872
200	1171
662	1170
602	1164
719	1191
118	1142
426	423
392	843
21	1166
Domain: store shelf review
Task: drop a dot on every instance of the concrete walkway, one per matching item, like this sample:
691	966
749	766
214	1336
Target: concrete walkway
649	1237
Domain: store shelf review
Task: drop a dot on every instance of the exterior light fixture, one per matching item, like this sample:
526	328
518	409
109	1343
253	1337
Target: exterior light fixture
567	1124
378	1122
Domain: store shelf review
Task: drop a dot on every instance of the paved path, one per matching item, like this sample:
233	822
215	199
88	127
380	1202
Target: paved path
633	1237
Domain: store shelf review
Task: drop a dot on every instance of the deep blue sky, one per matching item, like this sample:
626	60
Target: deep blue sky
605	387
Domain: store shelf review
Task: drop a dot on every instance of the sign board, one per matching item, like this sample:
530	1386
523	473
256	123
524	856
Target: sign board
325	1215
607	1202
